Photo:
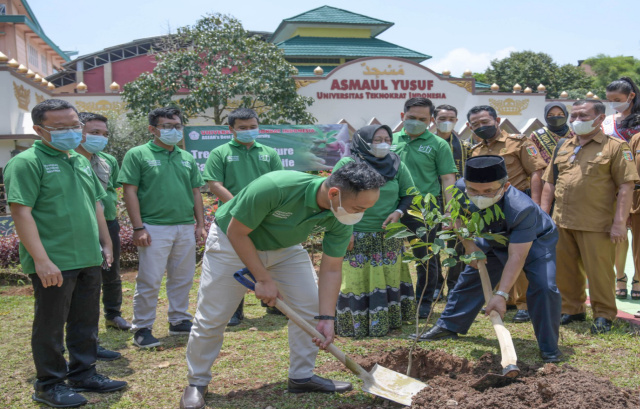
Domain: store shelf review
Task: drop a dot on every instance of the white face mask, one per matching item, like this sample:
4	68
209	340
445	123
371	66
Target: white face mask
445	127
619	106
380	150
483	202
583	128
342	215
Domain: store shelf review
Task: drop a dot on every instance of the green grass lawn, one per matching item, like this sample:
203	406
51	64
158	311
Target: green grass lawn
251	371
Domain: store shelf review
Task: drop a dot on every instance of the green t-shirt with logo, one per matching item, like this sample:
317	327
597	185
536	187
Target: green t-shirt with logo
427	157
390	195
62	192
165	181
236	166
282	209
108	166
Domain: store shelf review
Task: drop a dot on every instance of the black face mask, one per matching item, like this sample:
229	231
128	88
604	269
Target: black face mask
556	121
486	132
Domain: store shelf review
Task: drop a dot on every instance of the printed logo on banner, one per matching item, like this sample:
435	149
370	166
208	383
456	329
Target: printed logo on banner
186	164
233	158
154	162
425	149
194	136
265	158
281	215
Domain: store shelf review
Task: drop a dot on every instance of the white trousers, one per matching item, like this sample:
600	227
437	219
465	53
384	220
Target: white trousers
173	248
220	294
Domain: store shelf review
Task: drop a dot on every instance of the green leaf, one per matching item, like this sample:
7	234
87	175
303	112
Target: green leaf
449	262
451	251
421	231
478	255
399	235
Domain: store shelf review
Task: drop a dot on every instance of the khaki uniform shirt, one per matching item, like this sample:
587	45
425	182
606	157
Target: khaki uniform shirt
520	156
587	184
635	150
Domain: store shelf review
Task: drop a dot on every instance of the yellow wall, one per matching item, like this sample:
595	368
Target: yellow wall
332	32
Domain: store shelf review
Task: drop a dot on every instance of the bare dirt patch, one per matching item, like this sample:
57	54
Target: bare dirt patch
544	387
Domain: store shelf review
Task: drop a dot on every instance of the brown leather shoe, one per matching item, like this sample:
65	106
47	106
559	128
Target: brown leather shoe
318	384
193	397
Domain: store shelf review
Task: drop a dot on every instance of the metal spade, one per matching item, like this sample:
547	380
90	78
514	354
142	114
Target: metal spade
380	381
508	352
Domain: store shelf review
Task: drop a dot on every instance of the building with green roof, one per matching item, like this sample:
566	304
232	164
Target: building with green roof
328	36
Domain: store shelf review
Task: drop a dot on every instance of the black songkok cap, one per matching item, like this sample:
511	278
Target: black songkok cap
485	169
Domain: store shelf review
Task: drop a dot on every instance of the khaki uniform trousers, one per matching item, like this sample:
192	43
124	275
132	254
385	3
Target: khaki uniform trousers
635	246
583	255
220	294
518	293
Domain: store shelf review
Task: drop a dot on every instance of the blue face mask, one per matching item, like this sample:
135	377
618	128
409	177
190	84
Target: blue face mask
170	136
95	143
247	136
65	140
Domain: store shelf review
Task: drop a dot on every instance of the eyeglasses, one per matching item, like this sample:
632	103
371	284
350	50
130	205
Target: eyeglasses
77	128
572	158
179	127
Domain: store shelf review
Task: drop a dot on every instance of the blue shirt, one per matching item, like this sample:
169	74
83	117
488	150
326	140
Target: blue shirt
523	222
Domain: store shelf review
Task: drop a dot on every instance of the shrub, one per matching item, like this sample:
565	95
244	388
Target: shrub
9	250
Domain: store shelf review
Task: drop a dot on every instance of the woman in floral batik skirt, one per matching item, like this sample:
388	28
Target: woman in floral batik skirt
376	294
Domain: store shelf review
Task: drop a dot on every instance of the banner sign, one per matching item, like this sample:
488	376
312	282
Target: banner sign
300	147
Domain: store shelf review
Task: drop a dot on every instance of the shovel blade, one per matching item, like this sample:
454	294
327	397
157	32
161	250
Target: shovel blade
392	385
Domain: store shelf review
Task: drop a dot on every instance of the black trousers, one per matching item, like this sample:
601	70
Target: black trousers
111	282
430	280
75	304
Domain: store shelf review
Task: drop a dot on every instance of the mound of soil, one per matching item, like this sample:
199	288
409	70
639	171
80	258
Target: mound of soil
543	387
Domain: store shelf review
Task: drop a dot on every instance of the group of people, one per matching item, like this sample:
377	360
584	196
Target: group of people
566	193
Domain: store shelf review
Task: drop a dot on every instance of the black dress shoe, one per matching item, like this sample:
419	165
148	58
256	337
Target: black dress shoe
569	318
97	383
193	397
58	396
553	358
522	316
107	355
318	384
424	310
601	325
436	333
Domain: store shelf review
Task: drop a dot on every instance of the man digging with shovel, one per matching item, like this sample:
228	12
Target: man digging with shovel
262	228
531	247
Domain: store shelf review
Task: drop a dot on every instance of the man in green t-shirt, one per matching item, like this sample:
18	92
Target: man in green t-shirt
161	185
429	160
262	228
106	168
54	198
234	165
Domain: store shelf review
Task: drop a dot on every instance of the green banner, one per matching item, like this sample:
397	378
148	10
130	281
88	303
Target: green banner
301	147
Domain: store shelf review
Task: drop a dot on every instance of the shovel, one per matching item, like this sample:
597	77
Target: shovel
380	381
507	350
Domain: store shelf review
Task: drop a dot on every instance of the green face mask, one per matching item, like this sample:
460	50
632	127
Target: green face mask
414	127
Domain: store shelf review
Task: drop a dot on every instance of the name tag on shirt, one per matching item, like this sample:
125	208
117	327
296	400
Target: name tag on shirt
265	158
233	158
425	148
154	162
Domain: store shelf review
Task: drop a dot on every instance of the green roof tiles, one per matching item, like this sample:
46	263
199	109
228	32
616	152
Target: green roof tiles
327	14
346	47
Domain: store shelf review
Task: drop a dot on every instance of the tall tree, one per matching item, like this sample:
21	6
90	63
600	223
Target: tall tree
216	66
529	69
608	69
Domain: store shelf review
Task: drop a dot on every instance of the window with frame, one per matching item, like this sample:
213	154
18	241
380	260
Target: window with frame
3	9
43	64
33	56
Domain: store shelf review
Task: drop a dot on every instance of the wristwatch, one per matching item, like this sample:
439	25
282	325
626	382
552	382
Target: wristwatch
399	211
502	294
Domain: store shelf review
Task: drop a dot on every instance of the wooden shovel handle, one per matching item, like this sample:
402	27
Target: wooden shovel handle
507	350
309	329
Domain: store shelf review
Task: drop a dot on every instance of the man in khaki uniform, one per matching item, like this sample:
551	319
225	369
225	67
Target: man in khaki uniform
635	214
591	168
524	168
